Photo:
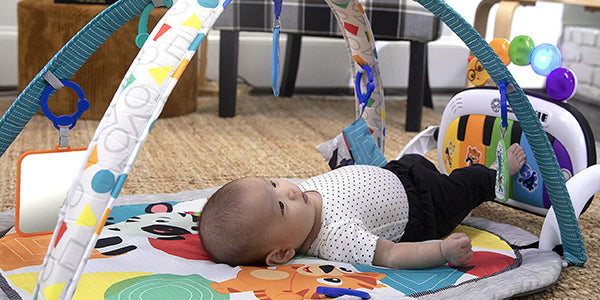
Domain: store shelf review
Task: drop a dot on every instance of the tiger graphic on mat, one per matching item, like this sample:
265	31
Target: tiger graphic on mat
296	281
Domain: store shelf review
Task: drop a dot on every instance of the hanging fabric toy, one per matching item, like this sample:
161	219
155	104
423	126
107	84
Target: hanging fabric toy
502	176
45	176
355	145
275	53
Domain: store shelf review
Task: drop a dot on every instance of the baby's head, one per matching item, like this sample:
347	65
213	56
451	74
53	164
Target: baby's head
226	229
255	221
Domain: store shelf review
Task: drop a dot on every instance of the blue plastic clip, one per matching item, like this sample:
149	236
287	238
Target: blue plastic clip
336	292
64	120
363	99
503	105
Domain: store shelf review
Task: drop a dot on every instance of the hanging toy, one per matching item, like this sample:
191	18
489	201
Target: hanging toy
561	84
476	74
355	145
544	59
501	47
63	123
519	50
502	177
275	52
45	176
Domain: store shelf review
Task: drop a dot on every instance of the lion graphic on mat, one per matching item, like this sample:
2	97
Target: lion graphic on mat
296	281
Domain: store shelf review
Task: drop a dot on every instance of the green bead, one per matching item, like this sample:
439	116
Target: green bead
519	50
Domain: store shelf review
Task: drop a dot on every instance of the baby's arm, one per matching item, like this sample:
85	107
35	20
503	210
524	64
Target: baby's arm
455	249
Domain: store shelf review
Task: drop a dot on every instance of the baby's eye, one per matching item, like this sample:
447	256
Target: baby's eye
281	206
274	184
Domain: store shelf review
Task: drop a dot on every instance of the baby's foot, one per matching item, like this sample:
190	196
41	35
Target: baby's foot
516	158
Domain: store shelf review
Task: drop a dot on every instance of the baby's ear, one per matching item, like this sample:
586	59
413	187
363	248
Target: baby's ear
279	256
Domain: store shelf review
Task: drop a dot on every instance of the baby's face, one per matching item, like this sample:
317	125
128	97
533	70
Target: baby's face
281	209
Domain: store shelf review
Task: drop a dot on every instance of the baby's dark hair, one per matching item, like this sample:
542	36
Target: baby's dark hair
225	230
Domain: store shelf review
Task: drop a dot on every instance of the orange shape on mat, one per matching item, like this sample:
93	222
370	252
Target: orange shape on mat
24	251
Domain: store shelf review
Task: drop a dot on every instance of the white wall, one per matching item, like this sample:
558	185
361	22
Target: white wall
581	50
447	59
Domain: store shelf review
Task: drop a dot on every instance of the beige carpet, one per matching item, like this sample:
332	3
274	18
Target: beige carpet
273	137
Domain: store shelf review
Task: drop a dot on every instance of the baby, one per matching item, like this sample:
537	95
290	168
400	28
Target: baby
356	214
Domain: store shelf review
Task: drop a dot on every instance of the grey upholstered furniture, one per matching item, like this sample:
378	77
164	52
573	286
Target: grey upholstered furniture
404	20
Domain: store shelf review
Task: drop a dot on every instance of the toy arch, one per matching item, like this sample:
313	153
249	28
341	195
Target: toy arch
147	84
134	109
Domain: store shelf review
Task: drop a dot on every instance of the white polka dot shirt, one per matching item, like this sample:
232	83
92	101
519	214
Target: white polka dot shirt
360	205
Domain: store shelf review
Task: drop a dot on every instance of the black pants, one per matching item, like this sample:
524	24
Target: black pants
437	202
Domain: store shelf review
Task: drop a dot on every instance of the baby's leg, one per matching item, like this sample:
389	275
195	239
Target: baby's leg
439	202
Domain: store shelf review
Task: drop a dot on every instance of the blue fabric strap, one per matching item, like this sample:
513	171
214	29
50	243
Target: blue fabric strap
65	64
574	250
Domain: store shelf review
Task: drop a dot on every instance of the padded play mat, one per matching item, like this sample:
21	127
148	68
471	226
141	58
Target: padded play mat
149	249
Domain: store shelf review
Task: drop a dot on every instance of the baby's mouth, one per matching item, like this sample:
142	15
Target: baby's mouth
305	197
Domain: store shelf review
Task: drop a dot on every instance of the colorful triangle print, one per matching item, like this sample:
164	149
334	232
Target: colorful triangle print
193	21
129	81
53	291
164	28
351	28
342	5
61	232
93	157
160	73
87	217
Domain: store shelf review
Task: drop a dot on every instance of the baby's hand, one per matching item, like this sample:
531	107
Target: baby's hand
456	249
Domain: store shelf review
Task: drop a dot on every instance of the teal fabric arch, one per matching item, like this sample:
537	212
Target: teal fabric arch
574	250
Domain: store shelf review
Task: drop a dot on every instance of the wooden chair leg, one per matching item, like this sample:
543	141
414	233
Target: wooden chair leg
228	68
290	67
416	85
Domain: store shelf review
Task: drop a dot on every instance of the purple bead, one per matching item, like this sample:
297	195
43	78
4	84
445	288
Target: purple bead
561	84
